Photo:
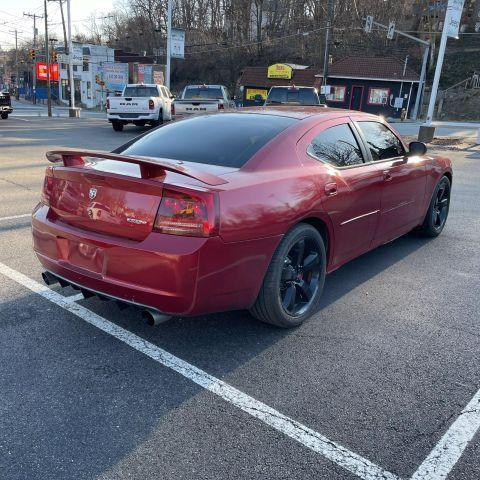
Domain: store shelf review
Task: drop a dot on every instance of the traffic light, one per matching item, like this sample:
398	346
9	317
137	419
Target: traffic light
97	79
32	54
54	56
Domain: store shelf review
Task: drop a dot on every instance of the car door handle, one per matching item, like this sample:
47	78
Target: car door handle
387	176
331	188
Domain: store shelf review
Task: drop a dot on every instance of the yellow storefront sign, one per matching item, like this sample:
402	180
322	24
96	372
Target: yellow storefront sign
256	93
280	70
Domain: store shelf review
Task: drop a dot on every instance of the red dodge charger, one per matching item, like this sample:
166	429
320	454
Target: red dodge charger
236	210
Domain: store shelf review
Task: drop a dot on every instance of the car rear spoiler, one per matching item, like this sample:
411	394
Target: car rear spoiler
149	167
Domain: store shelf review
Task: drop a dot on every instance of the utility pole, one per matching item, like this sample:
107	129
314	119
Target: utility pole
47	60
450	29
66	45
326	57
169	43
34	74
72	112
421	84
16	62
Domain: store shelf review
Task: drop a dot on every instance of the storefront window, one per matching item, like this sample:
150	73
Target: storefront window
337	93
378	96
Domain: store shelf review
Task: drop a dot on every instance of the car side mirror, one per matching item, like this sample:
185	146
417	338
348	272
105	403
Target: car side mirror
172	97
417	149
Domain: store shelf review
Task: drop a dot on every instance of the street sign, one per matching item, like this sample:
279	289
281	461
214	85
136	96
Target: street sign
177	48
453	17
368	24
391	30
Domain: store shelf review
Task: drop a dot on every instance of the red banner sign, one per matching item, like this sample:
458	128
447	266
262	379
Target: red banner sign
41	69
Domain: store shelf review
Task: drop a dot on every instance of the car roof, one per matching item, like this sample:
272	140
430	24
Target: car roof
204	86
295	87
302	112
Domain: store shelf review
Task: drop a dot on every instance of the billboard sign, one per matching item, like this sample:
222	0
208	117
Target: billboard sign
177	44
453	17
158	77
145	73
41	71
115	75
280	70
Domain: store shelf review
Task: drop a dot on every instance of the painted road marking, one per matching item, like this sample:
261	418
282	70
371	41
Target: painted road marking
338	454
13	217
449	449
74	298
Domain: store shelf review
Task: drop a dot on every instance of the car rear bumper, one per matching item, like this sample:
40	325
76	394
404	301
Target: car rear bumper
174	275
132	117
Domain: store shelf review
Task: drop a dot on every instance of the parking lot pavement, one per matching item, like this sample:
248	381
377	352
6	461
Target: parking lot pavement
375	383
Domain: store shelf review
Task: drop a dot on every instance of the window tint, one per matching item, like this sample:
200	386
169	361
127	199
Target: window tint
211	93
337	145
299	96
383	144
140	92
228	139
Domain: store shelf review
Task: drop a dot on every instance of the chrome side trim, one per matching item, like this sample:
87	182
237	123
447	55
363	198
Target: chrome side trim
359	217
403	204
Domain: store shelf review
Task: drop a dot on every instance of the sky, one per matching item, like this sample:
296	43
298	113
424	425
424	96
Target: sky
11	18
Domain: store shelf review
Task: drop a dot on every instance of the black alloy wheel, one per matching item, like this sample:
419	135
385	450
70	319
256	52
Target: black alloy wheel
441	205
293	283
437	213
300	276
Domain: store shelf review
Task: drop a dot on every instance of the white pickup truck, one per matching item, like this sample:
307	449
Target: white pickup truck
140	104
202	99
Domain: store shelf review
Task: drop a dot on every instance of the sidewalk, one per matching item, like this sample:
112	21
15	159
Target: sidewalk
22	108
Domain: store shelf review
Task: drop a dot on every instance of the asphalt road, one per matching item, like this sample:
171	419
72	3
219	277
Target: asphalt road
384	370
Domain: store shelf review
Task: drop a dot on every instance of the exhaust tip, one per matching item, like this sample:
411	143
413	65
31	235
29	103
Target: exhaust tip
154	318
49	279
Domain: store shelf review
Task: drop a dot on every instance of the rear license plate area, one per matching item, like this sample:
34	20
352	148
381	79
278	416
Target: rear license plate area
80	254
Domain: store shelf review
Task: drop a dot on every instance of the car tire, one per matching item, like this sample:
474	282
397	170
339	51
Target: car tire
294	272
158	122
4	116
117	126
438	209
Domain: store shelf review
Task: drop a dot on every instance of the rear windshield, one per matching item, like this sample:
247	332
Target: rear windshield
210	93
228	139
140	92
299	96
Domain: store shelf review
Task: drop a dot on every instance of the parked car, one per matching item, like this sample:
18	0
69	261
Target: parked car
243	210
293	95
140	104
203	99
5	105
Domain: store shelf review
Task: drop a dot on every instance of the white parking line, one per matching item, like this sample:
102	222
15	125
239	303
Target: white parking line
338	454
74	298
449	449
13	217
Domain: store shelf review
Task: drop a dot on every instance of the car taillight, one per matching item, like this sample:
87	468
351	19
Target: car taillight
151	104
191	214
108	103
221	106
173	109
47	186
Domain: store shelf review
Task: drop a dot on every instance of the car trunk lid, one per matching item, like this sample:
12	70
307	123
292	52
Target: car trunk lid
112	194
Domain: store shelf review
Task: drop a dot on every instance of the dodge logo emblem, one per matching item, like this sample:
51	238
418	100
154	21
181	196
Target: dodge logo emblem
92	193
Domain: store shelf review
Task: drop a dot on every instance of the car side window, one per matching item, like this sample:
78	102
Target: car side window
381	141
337	146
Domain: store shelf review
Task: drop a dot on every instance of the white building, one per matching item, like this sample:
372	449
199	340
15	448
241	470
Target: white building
87	62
